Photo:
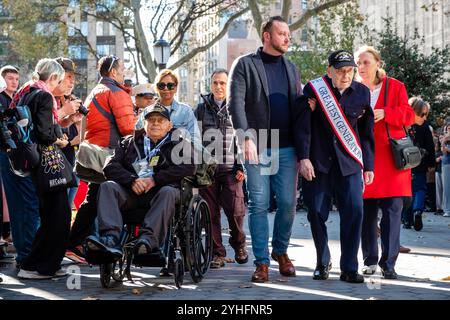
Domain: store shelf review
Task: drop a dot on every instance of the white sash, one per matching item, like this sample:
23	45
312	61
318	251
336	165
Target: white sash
337	119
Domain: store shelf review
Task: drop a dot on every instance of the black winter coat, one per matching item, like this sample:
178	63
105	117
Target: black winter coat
119	167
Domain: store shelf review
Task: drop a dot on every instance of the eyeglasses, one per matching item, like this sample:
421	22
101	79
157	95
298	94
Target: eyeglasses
113	59
342	72
170	85
154	120
423	115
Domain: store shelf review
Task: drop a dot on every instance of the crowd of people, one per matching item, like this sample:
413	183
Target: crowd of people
271	132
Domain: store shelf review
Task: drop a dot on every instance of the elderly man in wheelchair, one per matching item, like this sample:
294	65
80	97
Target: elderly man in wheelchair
141	173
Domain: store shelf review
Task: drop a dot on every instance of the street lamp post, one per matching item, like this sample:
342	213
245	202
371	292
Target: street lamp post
161	53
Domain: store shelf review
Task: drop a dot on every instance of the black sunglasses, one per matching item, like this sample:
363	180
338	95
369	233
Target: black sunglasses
170	85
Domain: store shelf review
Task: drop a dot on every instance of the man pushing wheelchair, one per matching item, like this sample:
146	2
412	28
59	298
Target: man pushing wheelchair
144	172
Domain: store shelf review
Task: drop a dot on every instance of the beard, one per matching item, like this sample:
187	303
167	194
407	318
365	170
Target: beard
279	48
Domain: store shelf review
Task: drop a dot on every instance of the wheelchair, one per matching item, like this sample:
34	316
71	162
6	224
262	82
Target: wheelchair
188	245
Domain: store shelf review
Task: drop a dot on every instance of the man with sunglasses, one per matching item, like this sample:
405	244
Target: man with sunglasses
111	117
421	134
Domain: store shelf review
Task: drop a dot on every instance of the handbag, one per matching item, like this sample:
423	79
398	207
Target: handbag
54	172
406	154
91	158
90	161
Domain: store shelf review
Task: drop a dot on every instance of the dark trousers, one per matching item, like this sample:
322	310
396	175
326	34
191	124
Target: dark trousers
391	209
83	225
318	195
49	245
161	203
226	192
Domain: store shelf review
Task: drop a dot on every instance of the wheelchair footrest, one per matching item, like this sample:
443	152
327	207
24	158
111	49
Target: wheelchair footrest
150	260
101	257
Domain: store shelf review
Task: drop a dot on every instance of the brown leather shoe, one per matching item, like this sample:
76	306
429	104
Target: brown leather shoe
285	265
241	256
261	273
404	250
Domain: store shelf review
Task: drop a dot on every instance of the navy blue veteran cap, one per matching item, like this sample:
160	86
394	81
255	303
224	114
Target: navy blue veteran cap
157	108
341	58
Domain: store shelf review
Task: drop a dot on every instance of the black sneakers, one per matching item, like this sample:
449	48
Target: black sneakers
352	277
418	224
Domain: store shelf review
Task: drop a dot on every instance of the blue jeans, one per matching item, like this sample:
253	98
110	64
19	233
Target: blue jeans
419	190
446	187
72	192
283	182
23	206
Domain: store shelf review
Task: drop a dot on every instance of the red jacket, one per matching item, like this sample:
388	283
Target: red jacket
115	106
388	180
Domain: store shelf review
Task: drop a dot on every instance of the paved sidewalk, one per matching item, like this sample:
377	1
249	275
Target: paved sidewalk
420	274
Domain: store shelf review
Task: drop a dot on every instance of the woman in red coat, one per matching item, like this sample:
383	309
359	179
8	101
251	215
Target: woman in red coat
390	184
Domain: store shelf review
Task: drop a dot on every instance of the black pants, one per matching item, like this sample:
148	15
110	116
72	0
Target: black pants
83	225
391	209
318	195
160	203
50	242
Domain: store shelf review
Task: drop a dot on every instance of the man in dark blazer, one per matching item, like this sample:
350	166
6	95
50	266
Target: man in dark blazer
333	164
262	92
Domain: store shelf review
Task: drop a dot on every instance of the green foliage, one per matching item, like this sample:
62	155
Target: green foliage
339	28
423	75
33	33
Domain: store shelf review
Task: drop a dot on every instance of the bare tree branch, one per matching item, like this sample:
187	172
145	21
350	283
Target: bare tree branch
286	9
256	13
197	50
176	12
313	12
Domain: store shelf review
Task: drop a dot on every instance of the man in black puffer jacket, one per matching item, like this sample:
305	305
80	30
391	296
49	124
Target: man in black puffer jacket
145	171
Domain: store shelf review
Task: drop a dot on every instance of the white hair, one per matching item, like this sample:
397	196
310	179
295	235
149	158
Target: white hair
46	68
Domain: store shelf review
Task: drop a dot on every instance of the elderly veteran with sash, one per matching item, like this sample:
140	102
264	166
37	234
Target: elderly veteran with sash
336	159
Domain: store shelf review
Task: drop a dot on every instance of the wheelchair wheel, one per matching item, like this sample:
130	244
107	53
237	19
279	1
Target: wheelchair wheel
105	274
178	273
198	238
118	270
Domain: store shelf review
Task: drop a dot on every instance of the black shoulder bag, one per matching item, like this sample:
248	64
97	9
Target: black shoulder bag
406	154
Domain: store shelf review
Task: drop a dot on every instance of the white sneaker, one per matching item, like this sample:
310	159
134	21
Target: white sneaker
447	214
369	269
34	275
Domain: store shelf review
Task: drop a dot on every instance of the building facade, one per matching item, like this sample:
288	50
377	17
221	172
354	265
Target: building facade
431	18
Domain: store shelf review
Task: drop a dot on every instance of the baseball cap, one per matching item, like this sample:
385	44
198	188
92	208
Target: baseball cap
157	108
9	68
145	89
67	64
341	58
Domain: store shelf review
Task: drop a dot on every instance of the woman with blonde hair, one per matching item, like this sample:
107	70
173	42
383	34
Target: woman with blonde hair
389	100
181	114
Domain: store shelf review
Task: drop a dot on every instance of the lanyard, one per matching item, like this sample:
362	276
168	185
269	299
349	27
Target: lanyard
149	153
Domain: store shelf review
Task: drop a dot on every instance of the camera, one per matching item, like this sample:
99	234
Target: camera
11	120
83	110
